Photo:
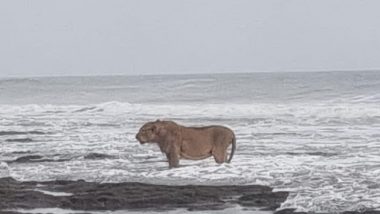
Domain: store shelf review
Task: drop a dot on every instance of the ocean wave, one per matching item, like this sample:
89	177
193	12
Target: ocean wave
373	98
86	109
327	114
4	133
189	83
325	154
13	81
312	110
194	81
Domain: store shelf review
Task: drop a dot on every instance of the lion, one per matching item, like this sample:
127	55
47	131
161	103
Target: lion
193	143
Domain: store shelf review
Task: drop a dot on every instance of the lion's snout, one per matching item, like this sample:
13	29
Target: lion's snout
140	138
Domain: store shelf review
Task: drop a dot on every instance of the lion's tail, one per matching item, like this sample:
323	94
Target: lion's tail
232	149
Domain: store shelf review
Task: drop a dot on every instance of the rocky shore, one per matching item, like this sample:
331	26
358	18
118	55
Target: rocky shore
90	196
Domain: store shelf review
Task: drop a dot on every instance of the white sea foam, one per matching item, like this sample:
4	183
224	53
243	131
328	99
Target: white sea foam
4	169
325	154
318	111
58	194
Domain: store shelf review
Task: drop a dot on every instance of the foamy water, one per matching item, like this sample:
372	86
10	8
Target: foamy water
325	152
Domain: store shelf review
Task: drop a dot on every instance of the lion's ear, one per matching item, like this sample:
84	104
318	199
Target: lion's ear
155	129
159	130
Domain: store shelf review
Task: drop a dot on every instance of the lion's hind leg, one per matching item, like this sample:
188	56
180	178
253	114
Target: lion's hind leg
219	155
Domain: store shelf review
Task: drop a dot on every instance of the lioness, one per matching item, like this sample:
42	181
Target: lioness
192	143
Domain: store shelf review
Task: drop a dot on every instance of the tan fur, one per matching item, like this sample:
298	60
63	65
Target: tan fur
194	143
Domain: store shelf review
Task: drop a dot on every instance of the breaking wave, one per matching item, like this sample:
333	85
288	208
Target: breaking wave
325	154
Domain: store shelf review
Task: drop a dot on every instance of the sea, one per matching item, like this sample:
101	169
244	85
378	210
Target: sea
313	134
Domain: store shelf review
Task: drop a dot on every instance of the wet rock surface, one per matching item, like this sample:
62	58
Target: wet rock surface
96	156
20	140
34	159
3	133
120	196
91	196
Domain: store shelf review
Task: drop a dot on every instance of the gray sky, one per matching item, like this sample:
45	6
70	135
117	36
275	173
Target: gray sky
92	37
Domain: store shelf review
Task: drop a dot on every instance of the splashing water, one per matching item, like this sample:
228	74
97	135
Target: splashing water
318	139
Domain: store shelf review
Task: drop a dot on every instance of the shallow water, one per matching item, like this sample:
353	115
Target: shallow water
320	143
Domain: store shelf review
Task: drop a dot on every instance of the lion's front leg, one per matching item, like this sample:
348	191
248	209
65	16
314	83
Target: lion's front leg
173	159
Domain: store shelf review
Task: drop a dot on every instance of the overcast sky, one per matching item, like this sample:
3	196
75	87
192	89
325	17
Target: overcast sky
93	37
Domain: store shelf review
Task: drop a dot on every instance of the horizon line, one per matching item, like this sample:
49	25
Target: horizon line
191	73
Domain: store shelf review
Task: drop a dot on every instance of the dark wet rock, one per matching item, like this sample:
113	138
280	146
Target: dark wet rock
9	212
35	158
91	196
21	152
87	109
95	156
20	140
268	200
324	154
121	196
28	158
54	112
3	133
288	211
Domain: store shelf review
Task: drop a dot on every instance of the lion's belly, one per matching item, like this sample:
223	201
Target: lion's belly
195	150
194	157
